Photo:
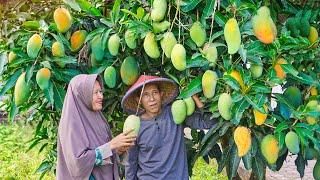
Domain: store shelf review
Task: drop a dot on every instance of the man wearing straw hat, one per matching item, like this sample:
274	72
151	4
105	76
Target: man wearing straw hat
159	152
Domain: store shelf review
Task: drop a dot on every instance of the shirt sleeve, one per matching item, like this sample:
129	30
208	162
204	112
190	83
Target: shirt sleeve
199	120
131	164
103	154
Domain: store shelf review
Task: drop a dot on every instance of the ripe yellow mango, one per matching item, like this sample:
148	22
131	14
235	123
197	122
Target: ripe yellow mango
270	148
43	78
263	26
242	138
259	117
63	19
232	35
77	40
57	49
34	45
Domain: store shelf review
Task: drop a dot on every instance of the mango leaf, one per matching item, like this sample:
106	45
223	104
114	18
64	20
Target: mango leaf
59	94
247	160
305	79
115	11
238	110
212	131
72	4
224	128
234	161
207	11
87	7
225	157
260	88
190	5
105	38
31	25
281	127
10	82
215	152
194	87
288	68
255	105
29	73
300	163
207	147
281	160
220	19
93	33
258	167
13	111
131	13
198	62
49	93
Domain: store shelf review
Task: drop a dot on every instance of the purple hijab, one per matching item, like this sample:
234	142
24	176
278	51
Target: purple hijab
81	130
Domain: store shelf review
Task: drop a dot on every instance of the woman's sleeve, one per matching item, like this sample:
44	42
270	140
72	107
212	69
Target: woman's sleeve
103	154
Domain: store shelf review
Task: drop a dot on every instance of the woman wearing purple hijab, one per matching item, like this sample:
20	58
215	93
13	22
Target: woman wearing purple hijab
86	149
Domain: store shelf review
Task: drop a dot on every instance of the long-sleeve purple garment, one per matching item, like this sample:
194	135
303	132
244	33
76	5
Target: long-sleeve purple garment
160	151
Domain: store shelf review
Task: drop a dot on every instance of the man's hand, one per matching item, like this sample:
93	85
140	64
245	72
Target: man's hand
197	101
123	140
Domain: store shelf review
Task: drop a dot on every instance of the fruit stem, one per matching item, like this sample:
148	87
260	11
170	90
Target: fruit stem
270	126
212	19
175	16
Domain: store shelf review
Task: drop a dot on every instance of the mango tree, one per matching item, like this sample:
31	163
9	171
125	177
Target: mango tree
231	53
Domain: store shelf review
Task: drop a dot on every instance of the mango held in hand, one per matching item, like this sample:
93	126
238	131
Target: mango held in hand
167	43
270	148
129	70
209	82
57	49
292	142
43	77
232	35
159	8
263	26
150	46
190	105
179	111
198	34
242	138
21	90
224	106
114	44
63	19
34	45
132	122
178	57
259	117
110	76
77	40
130	39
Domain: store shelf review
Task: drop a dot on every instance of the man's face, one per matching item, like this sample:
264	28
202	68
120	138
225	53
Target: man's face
151	99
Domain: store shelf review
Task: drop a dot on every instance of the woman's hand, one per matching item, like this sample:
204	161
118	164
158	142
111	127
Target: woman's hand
123	140
122	150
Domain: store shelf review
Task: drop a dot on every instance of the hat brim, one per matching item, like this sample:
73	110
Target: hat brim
168	87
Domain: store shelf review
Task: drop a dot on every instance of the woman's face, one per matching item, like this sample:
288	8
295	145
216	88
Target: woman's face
97	97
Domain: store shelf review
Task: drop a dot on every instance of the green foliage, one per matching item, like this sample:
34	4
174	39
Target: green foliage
102	19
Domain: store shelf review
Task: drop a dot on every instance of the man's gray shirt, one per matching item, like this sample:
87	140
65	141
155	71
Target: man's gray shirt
160	151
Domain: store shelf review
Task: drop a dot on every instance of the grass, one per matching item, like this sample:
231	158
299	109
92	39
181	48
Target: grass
16	163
